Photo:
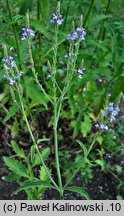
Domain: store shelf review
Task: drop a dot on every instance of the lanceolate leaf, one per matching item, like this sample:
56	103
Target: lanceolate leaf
78	190
34	184
83	147
37	160
16	166
11	112
17	150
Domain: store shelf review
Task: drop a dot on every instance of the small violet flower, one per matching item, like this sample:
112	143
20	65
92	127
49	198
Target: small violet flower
73	36
27	32
49	76
11	81
79	33
102	126
9	62
112	111
69	54
57	18
80	72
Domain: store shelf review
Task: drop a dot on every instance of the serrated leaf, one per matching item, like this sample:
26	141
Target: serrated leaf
19	152
43	174
12	111
83	147
45	153
12	177
15	129
33	184
78	190
16	166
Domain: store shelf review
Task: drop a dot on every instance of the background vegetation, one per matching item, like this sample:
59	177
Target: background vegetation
103	81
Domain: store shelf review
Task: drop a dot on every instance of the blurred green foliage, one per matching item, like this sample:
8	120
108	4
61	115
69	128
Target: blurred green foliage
103	81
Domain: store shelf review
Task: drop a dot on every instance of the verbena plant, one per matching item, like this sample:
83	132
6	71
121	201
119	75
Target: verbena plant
23	169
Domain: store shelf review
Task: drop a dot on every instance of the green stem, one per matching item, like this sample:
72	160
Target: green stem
55	116
34	142
115	176
89	11
57	154
93	142
14	31
38	17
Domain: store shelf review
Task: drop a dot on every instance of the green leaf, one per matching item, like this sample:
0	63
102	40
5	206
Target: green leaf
13	110
78	190
15	128
101	163
42	140
34	93
32	154
86	125
100	139
34	184
44	5
43	174
83	147
12	177
19	152
45	153
16	167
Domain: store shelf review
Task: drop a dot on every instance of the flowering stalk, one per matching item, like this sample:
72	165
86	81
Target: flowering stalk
34	141
55	126
40	85
32	63
18	87
15	33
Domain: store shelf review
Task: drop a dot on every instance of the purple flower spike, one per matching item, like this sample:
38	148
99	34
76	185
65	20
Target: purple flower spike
73	36
112	111
27	32
79	33
10	65
9	62
57	18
